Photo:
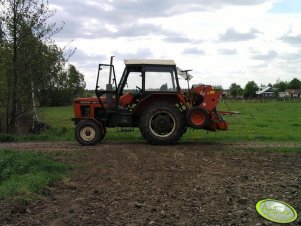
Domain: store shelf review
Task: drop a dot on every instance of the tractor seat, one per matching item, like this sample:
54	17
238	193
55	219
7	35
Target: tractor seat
126	100
163	87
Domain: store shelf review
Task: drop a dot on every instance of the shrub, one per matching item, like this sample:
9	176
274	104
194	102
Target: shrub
7	138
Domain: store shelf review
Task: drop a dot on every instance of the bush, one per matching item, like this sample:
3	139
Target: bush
7	138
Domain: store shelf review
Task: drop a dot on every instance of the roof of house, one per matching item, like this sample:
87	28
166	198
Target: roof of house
148	61
265	89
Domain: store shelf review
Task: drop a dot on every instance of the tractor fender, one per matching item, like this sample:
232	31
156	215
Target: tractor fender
157	97
101	125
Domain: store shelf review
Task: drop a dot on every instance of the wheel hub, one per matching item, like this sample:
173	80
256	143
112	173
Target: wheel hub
87	133
162	124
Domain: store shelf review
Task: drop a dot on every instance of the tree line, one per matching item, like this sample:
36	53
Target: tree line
249	91
32	67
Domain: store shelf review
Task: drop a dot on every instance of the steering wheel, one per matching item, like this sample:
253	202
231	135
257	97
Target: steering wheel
139	90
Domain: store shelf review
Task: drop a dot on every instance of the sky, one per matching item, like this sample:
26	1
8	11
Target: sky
222	41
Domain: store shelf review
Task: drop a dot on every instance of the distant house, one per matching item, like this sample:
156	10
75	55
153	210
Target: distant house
294	93
266	92
282	94
225	93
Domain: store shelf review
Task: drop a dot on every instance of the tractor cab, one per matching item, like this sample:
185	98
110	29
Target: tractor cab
140	79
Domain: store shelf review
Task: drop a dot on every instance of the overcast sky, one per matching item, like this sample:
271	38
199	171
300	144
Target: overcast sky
222	41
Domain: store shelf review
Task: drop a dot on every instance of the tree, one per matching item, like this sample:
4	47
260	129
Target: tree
276	93
294	84
62	89
25	30
71	84
280	85
75	82
250	89
235	90
5	64
218	87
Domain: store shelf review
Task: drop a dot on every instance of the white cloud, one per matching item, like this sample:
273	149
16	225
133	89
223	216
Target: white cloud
194	51
270	55
227	51
231	35
292	39
223	41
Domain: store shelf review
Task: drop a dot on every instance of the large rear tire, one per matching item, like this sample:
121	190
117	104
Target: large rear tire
162	123
88	132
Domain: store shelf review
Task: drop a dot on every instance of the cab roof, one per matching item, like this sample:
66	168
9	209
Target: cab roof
149	62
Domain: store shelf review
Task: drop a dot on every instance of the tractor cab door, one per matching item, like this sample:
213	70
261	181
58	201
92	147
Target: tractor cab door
130	86
132	90
106	86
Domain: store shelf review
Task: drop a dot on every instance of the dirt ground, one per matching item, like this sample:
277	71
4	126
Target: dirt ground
140	184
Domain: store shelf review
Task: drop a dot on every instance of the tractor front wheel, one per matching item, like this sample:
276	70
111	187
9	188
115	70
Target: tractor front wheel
88	132
162	123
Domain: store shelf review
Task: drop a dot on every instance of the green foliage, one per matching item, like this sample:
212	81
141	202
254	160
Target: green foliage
276	93
250	89
7	138
26	174
31	64
62	88
294	84
26	30
281	86
235	90
218	88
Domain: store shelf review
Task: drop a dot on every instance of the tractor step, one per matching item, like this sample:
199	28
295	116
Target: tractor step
125	129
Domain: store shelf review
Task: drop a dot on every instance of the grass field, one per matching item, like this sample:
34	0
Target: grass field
24	175
268	121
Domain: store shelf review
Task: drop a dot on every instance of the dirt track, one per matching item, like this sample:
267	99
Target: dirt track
140	184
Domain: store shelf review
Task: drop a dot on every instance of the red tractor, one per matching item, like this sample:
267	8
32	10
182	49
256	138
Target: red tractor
148	96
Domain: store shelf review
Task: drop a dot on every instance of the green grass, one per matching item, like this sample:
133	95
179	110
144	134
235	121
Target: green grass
268	121
24	175
57	116
59	120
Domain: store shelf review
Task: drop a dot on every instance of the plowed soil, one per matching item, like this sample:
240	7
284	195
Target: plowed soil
140	184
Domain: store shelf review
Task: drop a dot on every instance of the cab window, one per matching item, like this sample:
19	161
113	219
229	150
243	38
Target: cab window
160	79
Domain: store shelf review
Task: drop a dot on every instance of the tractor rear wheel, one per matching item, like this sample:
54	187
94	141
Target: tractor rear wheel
88	132
162	123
